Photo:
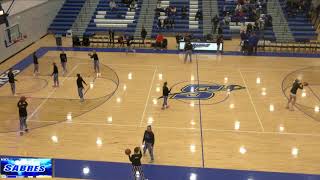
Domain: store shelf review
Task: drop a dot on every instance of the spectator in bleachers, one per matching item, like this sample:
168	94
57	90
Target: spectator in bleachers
256	26
171	22
159	7
215	21
249	28
227	19
168	11
159	40
166	23
143	34
184	12
133	5
238	7
198	15
160	23
173	10
112	5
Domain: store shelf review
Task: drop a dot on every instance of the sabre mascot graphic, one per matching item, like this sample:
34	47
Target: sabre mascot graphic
202	91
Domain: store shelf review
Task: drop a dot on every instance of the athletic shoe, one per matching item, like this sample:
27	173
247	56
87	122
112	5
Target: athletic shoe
26	130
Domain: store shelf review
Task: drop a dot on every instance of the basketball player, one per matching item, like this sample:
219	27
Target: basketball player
12	81
80	87
148	141
96	65
136	163
165	94
188	50
35	64
293	94
55	75
22	105
63	59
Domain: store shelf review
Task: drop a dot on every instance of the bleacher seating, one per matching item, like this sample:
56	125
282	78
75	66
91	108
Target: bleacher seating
299	24
181	25
120	20
124	20
233	29
66	16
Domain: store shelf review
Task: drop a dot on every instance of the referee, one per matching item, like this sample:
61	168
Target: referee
188	50
136	163
80	87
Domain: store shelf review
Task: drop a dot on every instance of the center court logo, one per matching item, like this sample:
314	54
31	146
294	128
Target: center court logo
203	91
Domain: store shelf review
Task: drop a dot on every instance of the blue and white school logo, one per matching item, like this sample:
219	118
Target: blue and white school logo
203	91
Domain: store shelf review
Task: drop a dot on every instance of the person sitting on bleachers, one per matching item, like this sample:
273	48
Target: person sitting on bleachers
168	11
171	22
159	7
112	5
160	23
173	10
184	12
198	15
159	40
166	23
227	19
133	5
249	28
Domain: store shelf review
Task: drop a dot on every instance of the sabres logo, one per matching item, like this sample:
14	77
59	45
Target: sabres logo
211	92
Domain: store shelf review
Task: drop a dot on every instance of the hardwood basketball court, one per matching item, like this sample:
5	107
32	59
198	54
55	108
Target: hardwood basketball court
246	129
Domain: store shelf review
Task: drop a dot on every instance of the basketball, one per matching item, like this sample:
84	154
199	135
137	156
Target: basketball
305	84
127	152
23	98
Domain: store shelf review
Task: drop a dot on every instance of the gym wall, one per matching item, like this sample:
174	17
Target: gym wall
33	22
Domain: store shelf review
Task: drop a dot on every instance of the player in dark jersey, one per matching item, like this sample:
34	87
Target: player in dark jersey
80	87
22	105
35	64
96	64
165	94
63	59
12	81
136	163
293	94
148	142
55	75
